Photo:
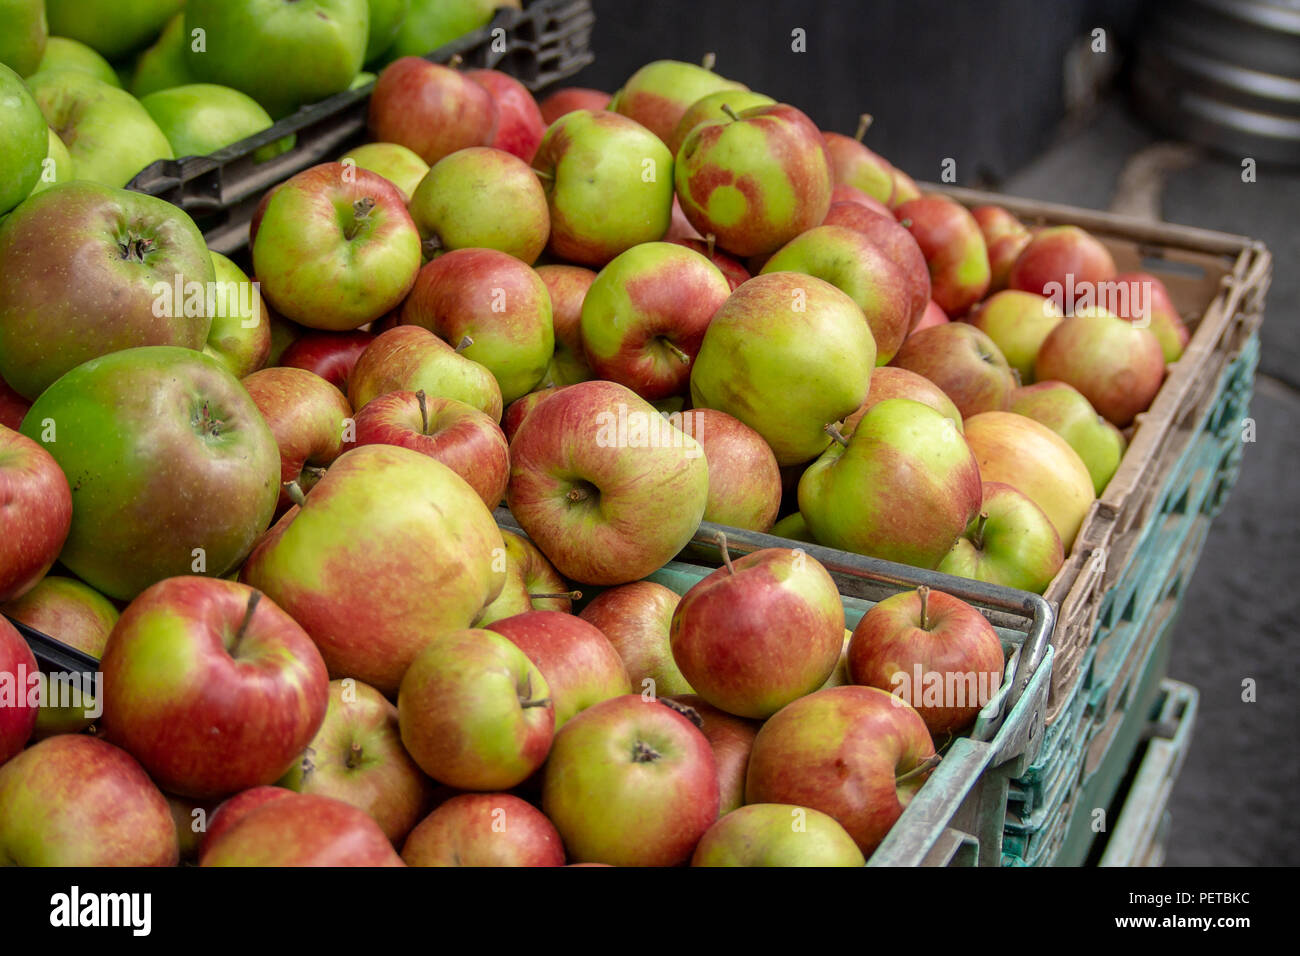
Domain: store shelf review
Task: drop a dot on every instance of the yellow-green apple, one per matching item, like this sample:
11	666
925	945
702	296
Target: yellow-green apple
840	676
38	506
464	439
109	135
57	166
74	800
412	358
145	435
432	110
635	618
932	651
484	829
776	834
307	416
64	53
608	183
80	617
90	270
862	268
857	754
495	301
580	665
165	63
905	188
794	527
532	584
431	24
953	246
759	632
1058	259
400	166
711	107
240	335
1065	411
114	29
386	18
1017	322
357	757
24	33
853	164
284	55
1118	366
607	487
1011	542
755	179
1160	315
962	361
520	126
744	478
335	247
521	408
331	355
567	286
475	712
631	782
1005	237
891	382
731	738
210	686
19	678
355	563
842	193
569	98
201	118
902	488
933	316
300	829
731	269
776	333
645	315
660	93
1037	462
482	198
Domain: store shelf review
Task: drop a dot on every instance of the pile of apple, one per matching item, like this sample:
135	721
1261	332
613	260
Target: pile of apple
627	316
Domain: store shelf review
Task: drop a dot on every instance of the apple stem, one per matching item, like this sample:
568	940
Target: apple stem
709	59
690	713
464	343
354	756
710	241
721	539
926	765
253	598
557	596
834	431
864	124
978	537
455	62
685	359
424	411
924	592
526	699
430	247
577	494
905	223
731	114
316	471
542	174
295	493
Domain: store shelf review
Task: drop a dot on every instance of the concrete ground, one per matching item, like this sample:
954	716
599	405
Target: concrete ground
1234	803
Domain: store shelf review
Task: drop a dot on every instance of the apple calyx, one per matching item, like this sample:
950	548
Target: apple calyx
354	757
361	210
424	411
295	493
642	752
558	596
833	429
690	713
864	124
977	538
905	223
721	539
526	698
136	248
206	422
924	593
925	766
430	247
253	598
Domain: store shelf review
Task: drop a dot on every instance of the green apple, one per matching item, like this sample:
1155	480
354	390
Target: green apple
411	358
777	834
386	19
904	487
400	166
1017	322
164	64
775	334
24	141
660	93
432	24
711	107
284	55
113	27
240	336
57	166
1064	410
201	118
23	34
64	54
1011	542
109	135
794	527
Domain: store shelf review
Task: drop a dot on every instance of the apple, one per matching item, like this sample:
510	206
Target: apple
794	527
630	782
1118	366
660	93
520	126
109	135
1005	237
284	55
953	246
18	672
484	829
1017	323
240	335
335	247
567	286
744	478
731	739
731	269
776	834
24	33
635	618
1037	462
1060	258
1065	411
357	757
113	27
144	434
644	316
843	193
866	271
432	24
521	408
301	829
1011	542
857	754
853	164
411	358
201	118
756	179
331	355
38	508
903	487
776	333
605	486
1160	315
933	316
569	98
495	301
532	584
90	270
74	800
80	617
63	53
713	106
230	811
962	361
475	712
165	63
56	167
608	183
891	382
482	198
386	19
400	166
432	110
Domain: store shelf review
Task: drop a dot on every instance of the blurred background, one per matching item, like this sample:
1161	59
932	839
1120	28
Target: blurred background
1143	108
